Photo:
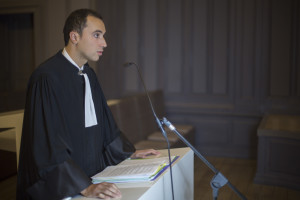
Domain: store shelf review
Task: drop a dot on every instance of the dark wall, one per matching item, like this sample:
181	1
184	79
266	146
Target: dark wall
222	64
30	32
17	56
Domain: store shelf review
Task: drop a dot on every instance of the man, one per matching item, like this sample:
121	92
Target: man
69	133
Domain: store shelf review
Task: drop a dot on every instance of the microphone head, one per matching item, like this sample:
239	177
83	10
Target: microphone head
128	64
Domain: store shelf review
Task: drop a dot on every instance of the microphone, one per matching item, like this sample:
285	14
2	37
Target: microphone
128	64
159	122
219	180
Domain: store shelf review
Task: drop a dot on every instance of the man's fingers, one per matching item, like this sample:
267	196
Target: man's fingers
102	196
108	190
102	190
144	153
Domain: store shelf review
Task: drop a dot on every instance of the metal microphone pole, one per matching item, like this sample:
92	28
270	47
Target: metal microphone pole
219	180
159	122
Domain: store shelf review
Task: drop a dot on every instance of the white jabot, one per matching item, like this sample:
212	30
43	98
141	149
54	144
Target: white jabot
90	114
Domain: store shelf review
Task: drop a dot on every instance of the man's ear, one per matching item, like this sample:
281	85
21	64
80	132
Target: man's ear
74	37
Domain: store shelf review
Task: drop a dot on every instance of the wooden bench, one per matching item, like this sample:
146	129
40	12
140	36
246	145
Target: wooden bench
10	139
278	161
135	119
133	115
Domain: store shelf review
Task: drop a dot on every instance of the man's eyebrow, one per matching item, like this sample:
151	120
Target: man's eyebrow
97	31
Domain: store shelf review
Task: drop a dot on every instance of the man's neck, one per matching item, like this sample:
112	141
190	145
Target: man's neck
73	55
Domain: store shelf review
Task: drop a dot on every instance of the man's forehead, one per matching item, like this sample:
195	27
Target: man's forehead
95	24
94	20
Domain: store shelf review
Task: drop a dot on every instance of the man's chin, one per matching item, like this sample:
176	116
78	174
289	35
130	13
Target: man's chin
95	59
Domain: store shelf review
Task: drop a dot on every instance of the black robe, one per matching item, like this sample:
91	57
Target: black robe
58	155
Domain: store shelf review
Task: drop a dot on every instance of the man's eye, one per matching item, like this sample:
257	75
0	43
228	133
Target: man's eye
96	35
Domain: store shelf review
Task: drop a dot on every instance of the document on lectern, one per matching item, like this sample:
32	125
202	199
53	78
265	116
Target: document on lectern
134	170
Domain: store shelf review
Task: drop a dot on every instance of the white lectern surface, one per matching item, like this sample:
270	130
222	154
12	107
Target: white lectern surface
160	189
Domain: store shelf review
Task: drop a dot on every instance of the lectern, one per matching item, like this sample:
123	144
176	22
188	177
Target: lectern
160	189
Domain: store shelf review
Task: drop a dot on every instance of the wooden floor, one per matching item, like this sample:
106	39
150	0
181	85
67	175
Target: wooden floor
240	172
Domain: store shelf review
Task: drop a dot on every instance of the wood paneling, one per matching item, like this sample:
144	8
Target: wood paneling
132	41
199	47
17	56
31	35
297	47
222	62
245	51
149	43
280	48
174	48
219	46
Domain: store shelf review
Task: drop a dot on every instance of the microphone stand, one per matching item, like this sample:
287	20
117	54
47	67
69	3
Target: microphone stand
219	180
159	122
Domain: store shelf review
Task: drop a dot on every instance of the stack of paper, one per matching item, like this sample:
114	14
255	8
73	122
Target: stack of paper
133	170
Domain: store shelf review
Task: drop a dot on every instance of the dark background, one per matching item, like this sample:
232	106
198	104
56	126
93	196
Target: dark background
222	64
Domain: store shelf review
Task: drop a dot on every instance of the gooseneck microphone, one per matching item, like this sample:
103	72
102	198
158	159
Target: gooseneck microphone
219	180
128	64
158	121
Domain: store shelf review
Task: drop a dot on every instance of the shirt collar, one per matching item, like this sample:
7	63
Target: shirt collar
65	53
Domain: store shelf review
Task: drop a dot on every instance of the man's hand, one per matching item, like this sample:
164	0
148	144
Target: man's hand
102	190
144	153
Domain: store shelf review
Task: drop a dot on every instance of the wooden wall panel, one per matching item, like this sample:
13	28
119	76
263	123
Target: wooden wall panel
244	132
227	136
297	47
199	36
280	49
131	41
219	48
72	5
13	77
222	64
20	50
174	47
36	40
109	68
212	134
54	17
245	50
149	48
54	14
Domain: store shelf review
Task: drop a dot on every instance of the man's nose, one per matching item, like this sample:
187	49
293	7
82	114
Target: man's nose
103	43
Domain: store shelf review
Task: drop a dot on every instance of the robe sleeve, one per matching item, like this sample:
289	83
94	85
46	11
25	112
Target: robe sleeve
58	176
118	150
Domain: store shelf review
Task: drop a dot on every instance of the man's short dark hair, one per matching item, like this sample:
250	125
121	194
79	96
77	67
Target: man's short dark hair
77	22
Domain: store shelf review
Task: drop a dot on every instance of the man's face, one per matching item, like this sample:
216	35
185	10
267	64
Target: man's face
91	43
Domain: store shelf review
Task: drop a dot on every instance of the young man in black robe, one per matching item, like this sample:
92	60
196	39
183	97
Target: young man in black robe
69	133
